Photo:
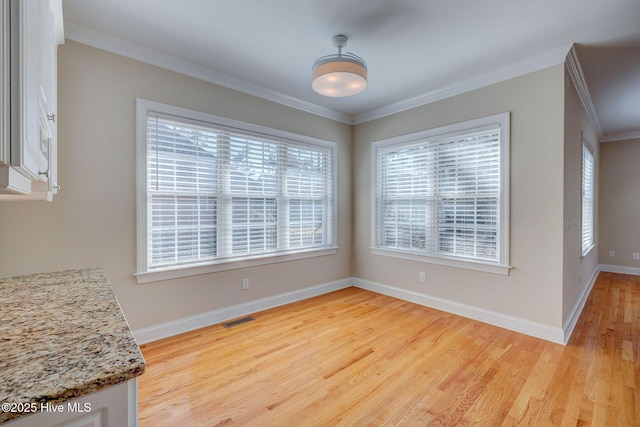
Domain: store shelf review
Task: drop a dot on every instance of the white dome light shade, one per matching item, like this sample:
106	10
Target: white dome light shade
339	75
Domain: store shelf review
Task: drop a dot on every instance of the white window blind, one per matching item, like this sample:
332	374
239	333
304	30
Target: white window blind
441	195
182	192
217	194
588	200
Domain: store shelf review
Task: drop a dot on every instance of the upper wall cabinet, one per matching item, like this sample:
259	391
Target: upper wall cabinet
30	34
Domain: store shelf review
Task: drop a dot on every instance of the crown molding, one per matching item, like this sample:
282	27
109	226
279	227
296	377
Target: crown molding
624	136
547	59
154	57
150	56
576	74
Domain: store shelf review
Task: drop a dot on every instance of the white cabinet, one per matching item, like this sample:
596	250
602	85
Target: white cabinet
25	55
28	166
115	406
5	84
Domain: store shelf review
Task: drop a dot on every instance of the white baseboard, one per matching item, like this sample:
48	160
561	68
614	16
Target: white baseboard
164	330
571	322
527	327
538	330
619	269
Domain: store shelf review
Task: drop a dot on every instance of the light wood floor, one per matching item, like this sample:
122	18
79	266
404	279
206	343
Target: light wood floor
354	357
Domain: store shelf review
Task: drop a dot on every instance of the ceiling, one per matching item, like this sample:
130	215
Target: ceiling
417	51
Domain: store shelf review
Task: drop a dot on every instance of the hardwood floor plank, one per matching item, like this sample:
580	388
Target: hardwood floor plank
356	358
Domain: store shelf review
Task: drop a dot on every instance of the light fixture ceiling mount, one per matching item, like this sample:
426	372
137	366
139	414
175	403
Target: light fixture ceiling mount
341	74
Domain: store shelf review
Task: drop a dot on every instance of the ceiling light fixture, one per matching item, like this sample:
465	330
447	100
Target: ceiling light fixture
344	74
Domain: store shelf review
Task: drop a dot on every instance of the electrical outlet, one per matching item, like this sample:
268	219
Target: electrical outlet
612	254
636	256
245	284
422	277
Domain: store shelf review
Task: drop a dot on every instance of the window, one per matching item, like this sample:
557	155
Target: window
442	195
588	199
212	191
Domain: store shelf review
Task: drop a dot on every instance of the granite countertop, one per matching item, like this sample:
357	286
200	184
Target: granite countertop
62	335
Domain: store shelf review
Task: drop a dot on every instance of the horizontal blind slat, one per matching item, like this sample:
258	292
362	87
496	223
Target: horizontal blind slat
441	196
212	188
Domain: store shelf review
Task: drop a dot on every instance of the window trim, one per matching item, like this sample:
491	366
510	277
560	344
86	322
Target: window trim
501	267
584	251
143	274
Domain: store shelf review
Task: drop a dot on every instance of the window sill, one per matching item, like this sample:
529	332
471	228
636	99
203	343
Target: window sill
469	265
185	271
586	251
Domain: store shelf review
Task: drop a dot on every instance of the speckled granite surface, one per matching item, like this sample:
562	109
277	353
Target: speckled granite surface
62	335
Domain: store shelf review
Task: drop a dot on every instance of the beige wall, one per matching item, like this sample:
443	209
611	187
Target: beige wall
620	202
577	271
92	221
533	289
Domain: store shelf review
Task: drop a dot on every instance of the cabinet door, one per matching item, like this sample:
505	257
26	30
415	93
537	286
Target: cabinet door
48	65
114	406
47	102
5	108
25	88
30	31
